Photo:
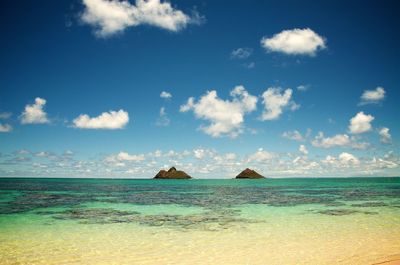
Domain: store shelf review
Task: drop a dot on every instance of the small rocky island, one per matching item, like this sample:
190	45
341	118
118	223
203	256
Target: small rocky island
249	174
172	173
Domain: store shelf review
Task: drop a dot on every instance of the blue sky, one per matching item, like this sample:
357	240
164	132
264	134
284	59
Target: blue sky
300	73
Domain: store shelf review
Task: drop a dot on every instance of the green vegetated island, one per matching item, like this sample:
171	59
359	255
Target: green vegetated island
173	173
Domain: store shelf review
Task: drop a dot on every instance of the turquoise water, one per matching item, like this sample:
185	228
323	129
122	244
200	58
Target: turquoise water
105	200
34	213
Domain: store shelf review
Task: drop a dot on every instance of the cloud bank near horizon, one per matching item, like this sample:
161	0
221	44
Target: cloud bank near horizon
198	162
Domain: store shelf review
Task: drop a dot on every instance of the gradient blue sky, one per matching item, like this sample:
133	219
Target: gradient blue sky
48	51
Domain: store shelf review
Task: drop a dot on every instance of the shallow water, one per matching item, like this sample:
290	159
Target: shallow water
271	221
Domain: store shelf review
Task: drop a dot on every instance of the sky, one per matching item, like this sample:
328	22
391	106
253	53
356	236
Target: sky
122	89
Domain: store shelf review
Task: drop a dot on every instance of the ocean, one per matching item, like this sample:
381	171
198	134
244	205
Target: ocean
264	221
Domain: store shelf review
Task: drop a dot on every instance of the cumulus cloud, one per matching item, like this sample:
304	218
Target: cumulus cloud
5	128
347	158
260	156
42	154
201	153
230	156
208	163
329	160
226	117
109	17
293	135
378	164
241	53
107	120
189	104
303	149
294	42
343	160
275	101
163	119
373	96
386	138
34	113
360	123
166	95
303	88
339	140
122	157
301	165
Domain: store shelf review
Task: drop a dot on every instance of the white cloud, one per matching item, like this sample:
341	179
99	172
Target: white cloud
377	164
201	153
5	128
200	163
42	154
188	105
339	140
373	96
241	53
275	101
107	120
226	117
386	138
166	95
347	164
230	156
293	135
109	17
360	123
124	156
303	149
343	160
346	158
34	113
303	88
163	119
295	41
156	154
301	165
260	156
329	160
